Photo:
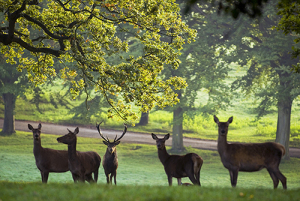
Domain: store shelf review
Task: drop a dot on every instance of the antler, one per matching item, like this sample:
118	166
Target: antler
98	128
125	129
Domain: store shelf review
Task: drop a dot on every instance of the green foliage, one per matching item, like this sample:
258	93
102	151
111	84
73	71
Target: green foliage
290	22
82	35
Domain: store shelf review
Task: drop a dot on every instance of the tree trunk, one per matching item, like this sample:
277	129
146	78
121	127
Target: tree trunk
283	124
177	137
144	119
9	114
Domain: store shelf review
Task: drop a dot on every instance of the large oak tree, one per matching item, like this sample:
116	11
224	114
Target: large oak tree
84	33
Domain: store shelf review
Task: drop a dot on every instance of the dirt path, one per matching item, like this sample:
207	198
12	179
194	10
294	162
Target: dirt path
130	137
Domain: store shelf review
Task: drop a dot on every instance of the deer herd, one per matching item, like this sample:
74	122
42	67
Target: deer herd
247	157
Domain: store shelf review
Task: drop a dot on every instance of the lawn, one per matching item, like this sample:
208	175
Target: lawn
140	176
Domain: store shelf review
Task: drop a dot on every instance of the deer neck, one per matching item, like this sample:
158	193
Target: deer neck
37	147
222	143
163	155
72	150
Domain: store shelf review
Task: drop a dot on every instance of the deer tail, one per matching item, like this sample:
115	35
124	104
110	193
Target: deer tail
281	148
197	160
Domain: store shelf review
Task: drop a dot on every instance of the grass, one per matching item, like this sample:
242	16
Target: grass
140	176
36	191
138	164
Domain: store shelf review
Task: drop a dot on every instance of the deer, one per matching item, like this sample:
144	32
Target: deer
81	164
47	160
249	157
178	166
110	158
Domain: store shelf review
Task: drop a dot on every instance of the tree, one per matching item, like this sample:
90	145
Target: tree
264	51
12	84
84	33
202	68
234	8
289	10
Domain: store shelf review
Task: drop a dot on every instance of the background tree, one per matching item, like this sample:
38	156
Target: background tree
202	69
84	32
289	10
12	84
264	52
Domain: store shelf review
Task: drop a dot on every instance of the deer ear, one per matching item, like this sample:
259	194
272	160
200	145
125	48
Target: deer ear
216	119
76	131
40	126
230	120
118	142
30	127
104	142
154	136
167	136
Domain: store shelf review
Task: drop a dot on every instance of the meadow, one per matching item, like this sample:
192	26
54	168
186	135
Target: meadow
140	176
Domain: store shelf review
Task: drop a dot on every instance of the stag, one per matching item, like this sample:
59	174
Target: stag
249	157
188	165
81	164
47	160
110	158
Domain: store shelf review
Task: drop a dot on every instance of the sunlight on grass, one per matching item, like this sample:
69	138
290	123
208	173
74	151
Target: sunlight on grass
138	165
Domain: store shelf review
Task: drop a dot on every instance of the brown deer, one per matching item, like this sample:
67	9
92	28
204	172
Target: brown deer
81	164
249	157
47	160
110	158
188	165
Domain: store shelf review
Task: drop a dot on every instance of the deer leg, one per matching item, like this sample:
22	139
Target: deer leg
170	180
233	177
96	176
179	181
89	178
281	177
111	176
197	175
115	178
274	178
75	178
107	178
44	176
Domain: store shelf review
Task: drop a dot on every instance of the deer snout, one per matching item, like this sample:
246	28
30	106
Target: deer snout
223	132
58	139
111	149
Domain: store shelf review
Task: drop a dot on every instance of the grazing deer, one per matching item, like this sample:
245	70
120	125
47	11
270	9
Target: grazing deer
188	165
47	160
249	157
110	159
81	164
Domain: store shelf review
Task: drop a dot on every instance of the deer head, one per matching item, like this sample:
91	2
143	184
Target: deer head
36	131
223	126
160	142
111	146
69	138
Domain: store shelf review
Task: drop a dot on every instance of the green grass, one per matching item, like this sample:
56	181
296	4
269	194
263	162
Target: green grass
140	176
138	164
36	191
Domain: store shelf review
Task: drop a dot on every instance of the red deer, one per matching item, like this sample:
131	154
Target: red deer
188	165
249	157
110	159
47	160
81	164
